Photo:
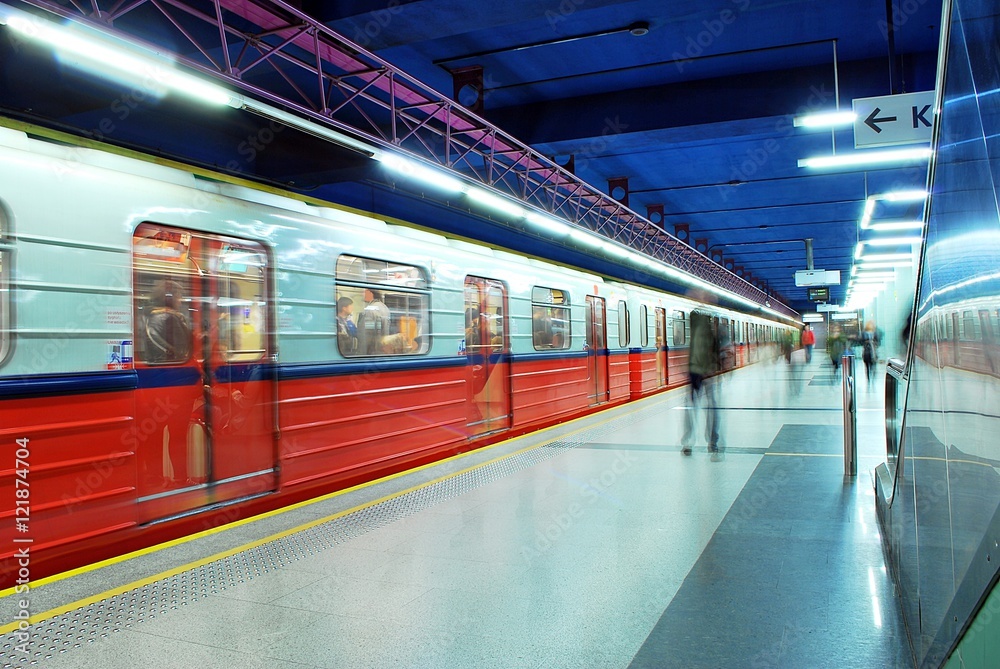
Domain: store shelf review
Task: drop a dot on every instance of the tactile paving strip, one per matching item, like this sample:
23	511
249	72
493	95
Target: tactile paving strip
74	629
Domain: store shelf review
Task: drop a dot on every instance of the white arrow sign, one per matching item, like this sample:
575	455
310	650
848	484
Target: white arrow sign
890	120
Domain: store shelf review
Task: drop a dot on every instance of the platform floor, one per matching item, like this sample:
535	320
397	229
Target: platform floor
592	544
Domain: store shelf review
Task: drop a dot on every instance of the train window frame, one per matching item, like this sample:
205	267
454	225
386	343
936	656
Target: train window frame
644	325
6	256
969	326
389	282
234	269
547	306
624	324
162	265
678	317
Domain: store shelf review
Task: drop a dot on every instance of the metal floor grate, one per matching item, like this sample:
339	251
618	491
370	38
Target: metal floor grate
74	629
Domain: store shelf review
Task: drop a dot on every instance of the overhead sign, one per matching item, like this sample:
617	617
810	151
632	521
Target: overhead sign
819	294
890	120
828	307
817	277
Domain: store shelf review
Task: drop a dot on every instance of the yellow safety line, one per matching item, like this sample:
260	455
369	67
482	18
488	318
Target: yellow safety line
807	455
949	461
41	617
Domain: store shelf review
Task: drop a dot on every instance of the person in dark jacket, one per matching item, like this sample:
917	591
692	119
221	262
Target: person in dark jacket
704	360
166	330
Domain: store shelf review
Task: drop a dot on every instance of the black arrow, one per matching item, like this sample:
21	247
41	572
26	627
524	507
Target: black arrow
871	120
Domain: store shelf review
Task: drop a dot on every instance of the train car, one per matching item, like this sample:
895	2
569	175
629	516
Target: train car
178	352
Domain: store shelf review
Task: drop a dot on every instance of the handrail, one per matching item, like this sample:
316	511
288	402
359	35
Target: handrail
353	90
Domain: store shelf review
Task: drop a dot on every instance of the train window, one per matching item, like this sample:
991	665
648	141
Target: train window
4	290
242	292
986	326
624	326
969	326
661	327
680	328
484	321
550	323
382	308
164	265
643	326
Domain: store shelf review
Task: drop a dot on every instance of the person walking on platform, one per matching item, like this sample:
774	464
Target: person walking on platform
809	340
836	342
703	368
869	351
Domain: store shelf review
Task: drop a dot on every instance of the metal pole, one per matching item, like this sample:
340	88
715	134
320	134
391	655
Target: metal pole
850	418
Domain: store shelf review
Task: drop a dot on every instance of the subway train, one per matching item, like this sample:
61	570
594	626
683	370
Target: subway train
179	352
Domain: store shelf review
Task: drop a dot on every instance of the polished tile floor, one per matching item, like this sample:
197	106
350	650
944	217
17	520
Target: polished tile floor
595	544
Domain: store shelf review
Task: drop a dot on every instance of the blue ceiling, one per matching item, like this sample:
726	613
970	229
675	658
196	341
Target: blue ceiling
696	113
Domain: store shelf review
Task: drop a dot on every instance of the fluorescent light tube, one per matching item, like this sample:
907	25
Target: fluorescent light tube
866	158
152	71
875	264
891	241
586	238
905	196
548	224
824	119
501	204
889	226
904	258
415	170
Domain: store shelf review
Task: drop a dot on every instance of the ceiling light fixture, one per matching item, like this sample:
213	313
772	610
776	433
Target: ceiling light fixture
888	226
414	170
904	196
866	158
152	71
875	264
893	258
492	201
119	58
547	223
891	241
824	119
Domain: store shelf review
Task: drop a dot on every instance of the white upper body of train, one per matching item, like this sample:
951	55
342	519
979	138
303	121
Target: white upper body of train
74	220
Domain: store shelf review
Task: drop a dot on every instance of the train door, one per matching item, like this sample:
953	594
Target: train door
205	404
661	347
486	350
597	351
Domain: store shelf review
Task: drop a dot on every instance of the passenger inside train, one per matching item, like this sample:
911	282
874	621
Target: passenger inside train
166	330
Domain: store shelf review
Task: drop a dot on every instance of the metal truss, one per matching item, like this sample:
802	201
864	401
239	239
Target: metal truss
277	53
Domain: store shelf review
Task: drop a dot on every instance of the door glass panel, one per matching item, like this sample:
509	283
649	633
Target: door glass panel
242	334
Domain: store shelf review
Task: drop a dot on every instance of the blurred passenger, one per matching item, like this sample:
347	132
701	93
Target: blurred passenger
347	331
167	332
373	323
786	346
704	364
809	340
869	351
836	343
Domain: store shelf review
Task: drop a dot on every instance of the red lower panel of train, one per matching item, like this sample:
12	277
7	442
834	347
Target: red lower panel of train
103	474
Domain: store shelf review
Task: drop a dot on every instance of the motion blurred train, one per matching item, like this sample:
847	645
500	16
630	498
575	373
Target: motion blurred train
172	357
